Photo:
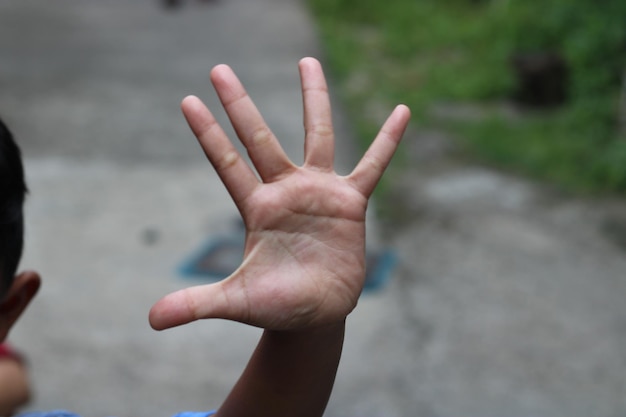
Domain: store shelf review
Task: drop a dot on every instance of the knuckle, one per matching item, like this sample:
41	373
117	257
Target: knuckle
321	130
374	162
227	160
260	136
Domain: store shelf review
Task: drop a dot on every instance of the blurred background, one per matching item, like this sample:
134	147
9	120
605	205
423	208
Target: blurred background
504	208
535	87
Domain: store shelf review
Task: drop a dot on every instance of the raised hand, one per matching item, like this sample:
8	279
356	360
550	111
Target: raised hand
304	258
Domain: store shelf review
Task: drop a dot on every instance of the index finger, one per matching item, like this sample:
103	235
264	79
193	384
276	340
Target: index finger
236	175
268	157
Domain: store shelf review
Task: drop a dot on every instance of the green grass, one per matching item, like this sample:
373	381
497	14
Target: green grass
551	148
427	52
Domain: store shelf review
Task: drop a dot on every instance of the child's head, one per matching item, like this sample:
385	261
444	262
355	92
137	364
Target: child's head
15	291
12	193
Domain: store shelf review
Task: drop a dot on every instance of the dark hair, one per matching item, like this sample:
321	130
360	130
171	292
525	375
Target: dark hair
12	193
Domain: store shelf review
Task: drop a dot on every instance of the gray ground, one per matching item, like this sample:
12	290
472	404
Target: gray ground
508	300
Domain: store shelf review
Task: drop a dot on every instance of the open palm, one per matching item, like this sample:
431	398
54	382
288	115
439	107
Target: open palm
304	259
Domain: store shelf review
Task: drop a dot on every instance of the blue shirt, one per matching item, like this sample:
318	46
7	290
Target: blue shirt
64	413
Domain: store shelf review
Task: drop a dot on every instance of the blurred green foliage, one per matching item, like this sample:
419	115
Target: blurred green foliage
428	52
591	35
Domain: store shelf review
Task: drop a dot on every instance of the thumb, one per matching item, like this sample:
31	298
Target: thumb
190	304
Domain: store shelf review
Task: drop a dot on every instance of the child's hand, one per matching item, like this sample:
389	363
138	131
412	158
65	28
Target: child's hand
304	261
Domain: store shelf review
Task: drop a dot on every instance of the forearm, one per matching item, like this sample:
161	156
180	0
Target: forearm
291	373
14	391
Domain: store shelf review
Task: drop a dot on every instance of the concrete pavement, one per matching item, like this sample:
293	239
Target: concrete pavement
121	194
507	300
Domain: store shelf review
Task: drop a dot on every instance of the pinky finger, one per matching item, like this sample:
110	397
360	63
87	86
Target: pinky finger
373	164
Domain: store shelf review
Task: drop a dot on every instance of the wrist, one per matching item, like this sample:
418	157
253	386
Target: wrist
313	340
325	330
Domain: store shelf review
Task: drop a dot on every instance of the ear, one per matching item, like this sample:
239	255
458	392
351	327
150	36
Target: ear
23	290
